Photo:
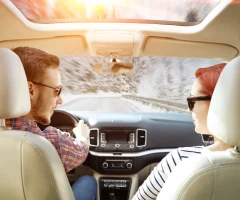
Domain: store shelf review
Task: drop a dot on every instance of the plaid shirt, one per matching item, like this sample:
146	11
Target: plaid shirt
71	151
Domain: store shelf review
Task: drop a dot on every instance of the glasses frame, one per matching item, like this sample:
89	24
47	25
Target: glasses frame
58	89
191	100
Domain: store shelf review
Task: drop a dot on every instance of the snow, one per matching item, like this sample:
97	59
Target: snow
154	77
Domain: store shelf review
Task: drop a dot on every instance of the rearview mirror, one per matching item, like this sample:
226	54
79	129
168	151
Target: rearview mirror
113	68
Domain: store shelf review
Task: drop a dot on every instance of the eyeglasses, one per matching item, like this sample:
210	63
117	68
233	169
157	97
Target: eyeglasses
191	100
57	89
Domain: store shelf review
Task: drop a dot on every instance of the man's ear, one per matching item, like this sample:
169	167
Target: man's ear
31	89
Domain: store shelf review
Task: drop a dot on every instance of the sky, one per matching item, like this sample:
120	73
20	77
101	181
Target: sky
170	10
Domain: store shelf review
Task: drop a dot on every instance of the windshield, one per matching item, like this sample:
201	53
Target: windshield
158	84
136	11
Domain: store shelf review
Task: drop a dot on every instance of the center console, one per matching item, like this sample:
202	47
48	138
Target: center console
114	188
116	141
112	158
120	140
116	164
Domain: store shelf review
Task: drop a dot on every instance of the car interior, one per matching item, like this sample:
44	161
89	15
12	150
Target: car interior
124	146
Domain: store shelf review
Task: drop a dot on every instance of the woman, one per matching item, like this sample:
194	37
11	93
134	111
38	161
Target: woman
198	105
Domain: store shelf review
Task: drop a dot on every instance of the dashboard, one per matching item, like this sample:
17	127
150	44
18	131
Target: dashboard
124	143
125	146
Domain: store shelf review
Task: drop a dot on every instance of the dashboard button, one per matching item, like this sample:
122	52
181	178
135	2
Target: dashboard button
105	165
117	145
129	165
131	146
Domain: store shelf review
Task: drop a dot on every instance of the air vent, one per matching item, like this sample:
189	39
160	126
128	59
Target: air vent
94	137
141	137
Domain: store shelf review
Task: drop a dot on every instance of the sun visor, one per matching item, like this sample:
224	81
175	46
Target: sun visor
61	46
165	47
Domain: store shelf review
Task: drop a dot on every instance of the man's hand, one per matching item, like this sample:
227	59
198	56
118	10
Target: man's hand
82	131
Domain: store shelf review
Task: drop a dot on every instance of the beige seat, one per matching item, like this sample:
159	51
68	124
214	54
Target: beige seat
30	168
214	175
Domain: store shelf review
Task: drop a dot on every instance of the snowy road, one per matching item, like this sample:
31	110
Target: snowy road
113	104
99	104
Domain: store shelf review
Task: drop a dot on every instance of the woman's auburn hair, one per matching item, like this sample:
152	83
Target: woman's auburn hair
208	77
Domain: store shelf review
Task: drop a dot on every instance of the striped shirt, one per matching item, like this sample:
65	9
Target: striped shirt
71	151
153	184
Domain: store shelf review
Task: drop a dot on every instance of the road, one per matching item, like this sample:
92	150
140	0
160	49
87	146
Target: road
99	104
113	104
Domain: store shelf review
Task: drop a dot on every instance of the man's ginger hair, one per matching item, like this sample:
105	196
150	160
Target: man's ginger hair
36	62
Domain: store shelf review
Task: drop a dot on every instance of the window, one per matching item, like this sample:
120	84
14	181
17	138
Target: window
135	11
158	84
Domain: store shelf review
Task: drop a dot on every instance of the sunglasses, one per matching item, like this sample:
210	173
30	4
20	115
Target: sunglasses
191	100
57	89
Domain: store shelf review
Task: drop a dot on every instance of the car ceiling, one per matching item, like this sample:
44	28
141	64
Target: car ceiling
217	36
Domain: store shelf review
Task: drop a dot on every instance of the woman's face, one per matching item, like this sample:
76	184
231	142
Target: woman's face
200	110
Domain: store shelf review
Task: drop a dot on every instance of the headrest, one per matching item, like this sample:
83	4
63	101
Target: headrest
224	112
14	93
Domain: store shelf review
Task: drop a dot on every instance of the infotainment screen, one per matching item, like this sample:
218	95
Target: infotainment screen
116	136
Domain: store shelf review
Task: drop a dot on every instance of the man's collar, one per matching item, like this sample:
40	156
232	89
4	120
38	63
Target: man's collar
21	120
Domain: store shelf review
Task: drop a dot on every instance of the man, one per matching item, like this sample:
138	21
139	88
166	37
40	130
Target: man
44	81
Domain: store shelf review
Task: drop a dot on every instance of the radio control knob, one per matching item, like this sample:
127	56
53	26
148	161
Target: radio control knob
129	165
131	146
105	165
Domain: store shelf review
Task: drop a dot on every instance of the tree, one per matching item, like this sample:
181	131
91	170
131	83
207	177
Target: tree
192	16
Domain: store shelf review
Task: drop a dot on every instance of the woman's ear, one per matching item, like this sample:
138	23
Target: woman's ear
31	89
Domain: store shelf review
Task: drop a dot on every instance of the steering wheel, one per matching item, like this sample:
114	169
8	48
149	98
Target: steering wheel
63	121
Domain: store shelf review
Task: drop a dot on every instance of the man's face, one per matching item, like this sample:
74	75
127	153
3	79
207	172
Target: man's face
45	99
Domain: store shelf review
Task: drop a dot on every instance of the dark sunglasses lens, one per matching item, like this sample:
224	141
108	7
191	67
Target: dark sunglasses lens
191	105
59	91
